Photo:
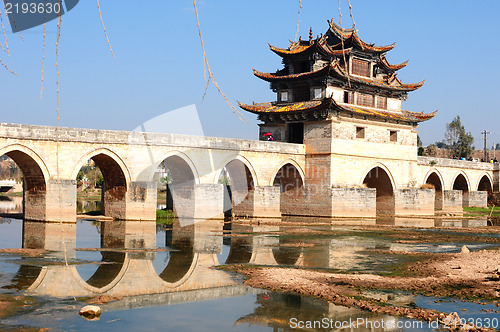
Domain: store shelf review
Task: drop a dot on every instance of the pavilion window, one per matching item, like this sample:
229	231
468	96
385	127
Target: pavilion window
360	67
364	99
360	132
393	135
284	96
318	93
348	97
382	102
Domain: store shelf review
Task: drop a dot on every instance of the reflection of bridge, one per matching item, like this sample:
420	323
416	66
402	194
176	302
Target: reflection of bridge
130	271
128	265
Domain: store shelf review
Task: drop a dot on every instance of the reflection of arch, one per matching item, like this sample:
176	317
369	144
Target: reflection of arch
25	276
461	182
380	178
239	252
181	261
111	266
434	178
485	184
287	255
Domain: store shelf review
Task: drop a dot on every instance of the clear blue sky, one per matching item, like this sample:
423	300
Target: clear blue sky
452	44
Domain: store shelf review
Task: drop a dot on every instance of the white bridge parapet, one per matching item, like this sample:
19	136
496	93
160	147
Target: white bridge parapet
324	177
52	157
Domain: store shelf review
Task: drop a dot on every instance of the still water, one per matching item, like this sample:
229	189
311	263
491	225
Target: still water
166	279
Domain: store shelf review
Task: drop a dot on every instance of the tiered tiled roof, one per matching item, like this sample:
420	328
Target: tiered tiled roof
319	45
335	70
330	104
350	37
390	67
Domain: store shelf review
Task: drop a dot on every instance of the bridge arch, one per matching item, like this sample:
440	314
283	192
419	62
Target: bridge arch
435	179
485	183
379	177
282	164
242	159
107	154
181	158
461	182
116	177
238	176
290	179
35	174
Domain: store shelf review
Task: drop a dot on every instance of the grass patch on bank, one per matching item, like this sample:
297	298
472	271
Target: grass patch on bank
12	194
165	217
477	211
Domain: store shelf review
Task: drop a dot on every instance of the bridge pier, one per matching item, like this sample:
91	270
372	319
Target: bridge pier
56	203
475	199
409	202
259	202
140	201
452	201
200	201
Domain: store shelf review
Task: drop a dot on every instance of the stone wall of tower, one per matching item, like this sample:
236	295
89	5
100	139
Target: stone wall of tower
335	157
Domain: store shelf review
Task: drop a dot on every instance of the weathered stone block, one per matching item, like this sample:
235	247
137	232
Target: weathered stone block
452	201
476	199
261	202
414	201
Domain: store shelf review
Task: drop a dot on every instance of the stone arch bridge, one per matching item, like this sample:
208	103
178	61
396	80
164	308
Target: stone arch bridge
267	179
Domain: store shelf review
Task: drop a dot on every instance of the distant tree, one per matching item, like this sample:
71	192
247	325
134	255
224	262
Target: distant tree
431	151
419	141
441	145
497	147
459	141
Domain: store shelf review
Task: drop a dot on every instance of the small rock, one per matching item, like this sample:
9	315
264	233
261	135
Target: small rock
452	320
90	312
465	250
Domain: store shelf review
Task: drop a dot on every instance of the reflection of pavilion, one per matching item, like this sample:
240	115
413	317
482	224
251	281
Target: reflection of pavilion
283	311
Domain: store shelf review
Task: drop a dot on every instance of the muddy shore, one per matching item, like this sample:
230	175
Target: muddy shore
469	275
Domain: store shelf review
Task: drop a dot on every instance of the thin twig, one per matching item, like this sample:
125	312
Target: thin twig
343	48
352	17
6	67
6	49
15	26
43	52
109	44
298	22
211	74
